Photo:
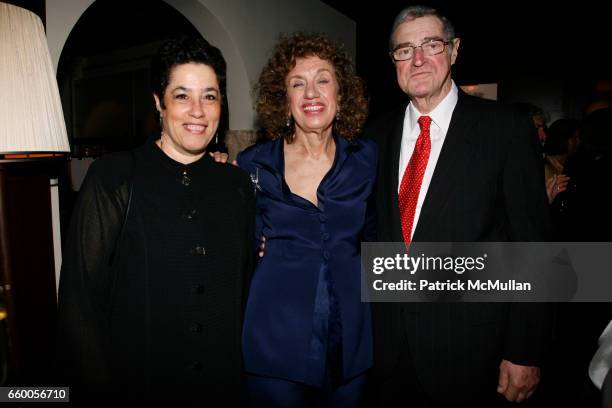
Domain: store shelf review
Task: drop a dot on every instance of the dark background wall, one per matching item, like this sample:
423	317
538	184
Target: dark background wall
547	53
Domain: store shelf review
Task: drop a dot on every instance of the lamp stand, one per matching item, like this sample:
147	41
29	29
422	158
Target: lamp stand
27	267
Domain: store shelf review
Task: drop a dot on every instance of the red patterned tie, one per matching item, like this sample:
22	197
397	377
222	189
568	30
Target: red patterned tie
413	177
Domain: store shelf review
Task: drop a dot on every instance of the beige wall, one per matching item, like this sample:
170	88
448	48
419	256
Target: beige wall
244	30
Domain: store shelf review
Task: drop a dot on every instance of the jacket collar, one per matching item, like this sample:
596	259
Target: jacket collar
270	157
456	152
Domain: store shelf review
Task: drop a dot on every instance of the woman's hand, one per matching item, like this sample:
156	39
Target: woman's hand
221	157
556	185
262	246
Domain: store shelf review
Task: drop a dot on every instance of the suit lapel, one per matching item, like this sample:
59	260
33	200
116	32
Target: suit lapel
455	153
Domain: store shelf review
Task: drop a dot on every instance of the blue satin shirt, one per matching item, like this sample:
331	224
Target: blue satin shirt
304	298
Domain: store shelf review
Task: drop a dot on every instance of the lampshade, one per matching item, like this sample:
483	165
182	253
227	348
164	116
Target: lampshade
31	117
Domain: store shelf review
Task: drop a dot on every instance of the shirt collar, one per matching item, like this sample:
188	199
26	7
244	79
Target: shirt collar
440	116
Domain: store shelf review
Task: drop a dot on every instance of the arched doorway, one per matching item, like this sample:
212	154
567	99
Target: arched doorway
63	17
104	73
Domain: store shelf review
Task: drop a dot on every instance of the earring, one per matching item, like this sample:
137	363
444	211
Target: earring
217	138
288	123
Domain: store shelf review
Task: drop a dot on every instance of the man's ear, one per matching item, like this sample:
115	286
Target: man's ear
455	50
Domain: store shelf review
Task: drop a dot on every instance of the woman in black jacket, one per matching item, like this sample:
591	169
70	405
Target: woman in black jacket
159	251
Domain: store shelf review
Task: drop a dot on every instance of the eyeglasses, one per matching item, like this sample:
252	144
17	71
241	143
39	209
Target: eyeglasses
429	47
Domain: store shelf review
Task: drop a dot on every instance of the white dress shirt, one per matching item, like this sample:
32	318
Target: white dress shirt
602	360
440	121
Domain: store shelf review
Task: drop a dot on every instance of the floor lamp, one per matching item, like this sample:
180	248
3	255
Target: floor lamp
33	153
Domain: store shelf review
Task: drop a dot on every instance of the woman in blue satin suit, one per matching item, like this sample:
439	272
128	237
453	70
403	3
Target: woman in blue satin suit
307	336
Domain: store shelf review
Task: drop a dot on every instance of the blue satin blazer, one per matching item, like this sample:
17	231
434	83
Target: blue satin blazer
280	336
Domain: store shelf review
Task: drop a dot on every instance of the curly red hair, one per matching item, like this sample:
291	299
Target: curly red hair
271	103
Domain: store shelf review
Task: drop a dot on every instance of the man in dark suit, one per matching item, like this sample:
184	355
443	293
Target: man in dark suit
454	168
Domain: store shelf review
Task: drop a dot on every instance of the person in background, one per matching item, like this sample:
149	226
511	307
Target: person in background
159	253
582	214
561	144
307	337
587	201
538	118
539	121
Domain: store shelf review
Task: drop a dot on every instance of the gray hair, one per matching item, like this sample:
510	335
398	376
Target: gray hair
412	12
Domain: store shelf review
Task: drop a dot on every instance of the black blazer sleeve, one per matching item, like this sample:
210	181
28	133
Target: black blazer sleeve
523	184
86	275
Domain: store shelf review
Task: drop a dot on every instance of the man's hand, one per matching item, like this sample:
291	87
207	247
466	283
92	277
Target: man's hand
222	158
517	382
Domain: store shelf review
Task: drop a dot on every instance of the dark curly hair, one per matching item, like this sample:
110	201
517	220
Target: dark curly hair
185	50
271	104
